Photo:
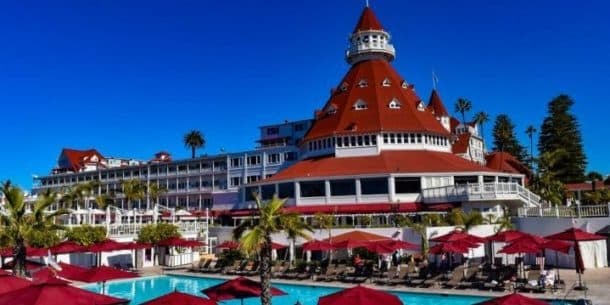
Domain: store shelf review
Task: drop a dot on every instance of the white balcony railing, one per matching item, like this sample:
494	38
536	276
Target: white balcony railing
481	192
578	211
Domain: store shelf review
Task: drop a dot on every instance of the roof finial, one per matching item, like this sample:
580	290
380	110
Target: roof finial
366	2
434	80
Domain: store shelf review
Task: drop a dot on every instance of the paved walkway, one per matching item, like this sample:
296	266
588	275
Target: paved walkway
598	281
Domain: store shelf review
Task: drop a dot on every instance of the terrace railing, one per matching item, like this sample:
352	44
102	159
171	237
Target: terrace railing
578	211
481	192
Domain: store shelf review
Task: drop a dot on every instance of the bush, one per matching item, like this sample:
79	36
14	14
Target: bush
229	257
86	235
42	239
154	233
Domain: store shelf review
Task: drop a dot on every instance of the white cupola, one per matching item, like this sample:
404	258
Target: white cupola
369	40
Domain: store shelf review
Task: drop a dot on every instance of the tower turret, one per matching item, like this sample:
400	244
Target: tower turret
369	40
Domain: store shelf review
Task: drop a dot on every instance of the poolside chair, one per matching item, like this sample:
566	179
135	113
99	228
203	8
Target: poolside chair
279	270
401	277
340	272
204	263
385	277
416	276
469	276
533	283
250	265
254	269
330	271
213	267
236	267
457	275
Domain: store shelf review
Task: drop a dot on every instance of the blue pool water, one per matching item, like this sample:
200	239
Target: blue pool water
144	289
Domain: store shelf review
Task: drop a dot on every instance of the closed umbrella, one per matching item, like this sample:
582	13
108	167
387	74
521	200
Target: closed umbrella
360	295
179	298
54	291
513	299
237	288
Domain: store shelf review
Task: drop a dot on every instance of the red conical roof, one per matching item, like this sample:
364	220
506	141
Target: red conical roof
368	21
435	104
375	83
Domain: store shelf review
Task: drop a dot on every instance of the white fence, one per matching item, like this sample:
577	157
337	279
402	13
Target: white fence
577	211
481	192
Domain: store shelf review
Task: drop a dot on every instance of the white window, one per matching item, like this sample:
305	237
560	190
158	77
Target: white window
235	162
235	181
394	104
420	106
331	109
253	178
273	158
360	105
386	82
363	83
344	86
254	160
404	84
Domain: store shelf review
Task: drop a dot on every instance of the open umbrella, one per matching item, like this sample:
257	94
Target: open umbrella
9	282
506	236
108	245
513	299
356	235
228	244
104	273
349	244
379	248
53	291
237	288
359	295
577	235
29	251
459	235
398	244
317	245
179	298
449	247
67	247
68	271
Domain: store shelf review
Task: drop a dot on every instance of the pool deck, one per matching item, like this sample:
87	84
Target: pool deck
598	281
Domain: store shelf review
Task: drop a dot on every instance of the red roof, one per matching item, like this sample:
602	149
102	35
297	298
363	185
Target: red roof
460	146
435	104
385	163
505	162
78	158
586	186
453	124
368	21
377	116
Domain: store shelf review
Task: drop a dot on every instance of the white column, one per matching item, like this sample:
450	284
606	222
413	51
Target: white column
327	191
358	191
391	189
297	193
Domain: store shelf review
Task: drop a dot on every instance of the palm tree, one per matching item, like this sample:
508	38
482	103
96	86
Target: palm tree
530	131
104	200
462	106
325	222
133	190
257	240
194	139
79	194
481	118
294	226
421	229
155	191
18	222
545	183
471	219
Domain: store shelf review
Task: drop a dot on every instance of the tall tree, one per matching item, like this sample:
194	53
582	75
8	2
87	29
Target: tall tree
194	139
505	139
530	131
294	227
258	238
18	222
133	190
481	118
561	130
155	191
325	222
545	182
462	106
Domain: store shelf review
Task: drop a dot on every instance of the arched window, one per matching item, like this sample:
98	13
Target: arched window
331	109
421	106
344	86
386	82
404	85
363	83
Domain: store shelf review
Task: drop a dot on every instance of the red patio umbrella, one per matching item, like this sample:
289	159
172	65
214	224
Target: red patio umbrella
513	299
228	244
449	247
29	251
317	245
459	235
54	291
576	235
139	245
359	295
237	288
102	274
67	247
108	245
379	248
506	236
349	244
179	298
181	242
68	271
356	235
9	282
398	244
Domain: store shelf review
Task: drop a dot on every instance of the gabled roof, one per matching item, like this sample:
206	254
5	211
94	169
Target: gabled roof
507	163
78	158
460	146
368	21
387	162
435	104
378	116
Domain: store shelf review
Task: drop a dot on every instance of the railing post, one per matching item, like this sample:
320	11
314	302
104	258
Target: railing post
557	211
578	210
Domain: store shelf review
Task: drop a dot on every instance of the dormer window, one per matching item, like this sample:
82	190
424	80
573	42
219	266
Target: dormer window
344	86
404	85
386	83
331	109
360	105
394	104
363	83
420	106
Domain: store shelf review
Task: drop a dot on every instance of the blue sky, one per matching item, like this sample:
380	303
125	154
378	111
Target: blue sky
131	77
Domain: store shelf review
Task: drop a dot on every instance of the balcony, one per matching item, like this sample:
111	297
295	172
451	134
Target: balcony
509	191
578	211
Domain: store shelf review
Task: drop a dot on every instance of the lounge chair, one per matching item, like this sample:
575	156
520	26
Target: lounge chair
201	265
385	277
457	275
250	265
339	273
213	267
401	277
469	275
280	270
254	269
236	267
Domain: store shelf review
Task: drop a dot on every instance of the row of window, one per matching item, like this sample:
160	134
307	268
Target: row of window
414	138
362	105
273	158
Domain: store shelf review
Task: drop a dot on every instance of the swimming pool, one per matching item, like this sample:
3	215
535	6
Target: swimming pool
147	288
